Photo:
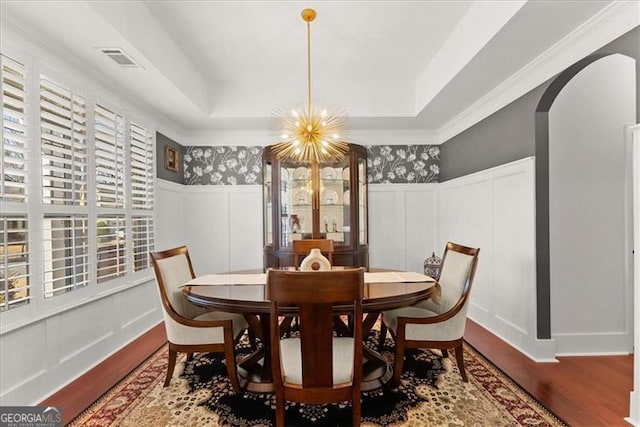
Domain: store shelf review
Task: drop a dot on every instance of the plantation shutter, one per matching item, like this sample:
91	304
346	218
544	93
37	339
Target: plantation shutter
112	237
14	262
141	145
13	168
66	253
63	145
143	241
110	158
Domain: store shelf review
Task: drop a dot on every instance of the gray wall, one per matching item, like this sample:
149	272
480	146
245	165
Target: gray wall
509	134
505	136
161	172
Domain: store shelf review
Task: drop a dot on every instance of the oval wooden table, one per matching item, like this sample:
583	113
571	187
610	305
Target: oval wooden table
246	294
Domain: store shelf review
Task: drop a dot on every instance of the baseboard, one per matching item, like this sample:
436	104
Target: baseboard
634	411
81	393
593	344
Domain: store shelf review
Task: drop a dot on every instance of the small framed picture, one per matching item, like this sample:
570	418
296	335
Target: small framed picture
171	158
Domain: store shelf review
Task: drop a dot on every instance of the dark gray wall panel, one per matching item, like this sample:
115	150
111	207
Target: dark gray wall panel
505	136
509	134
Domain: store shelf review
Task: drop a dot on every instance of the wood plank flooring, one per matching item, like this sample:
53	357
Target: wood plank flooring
583	391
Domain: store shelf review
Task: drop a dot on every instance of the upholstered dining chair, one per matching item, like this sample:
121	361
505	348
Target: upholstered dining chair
436	325
301	248
316	367
191	328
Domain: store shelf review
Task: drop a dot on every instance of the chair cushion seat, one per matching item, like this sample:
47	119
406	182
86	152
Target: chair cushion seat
448	330
239	322
290	354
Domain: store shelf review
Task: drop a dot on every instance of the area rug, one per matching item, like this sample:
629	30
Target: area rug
431	393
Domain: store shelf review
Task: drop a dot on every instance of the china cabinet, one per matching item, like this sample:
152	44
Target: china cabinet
316	201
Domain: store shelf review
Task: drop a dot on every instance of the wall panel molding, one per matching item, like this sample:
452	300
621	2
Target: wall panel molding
65	352
495	210
401	225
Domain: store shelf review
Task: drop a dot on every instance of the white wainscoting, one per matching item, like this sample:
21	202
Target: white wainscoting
495	210
40	358
402	225
220	224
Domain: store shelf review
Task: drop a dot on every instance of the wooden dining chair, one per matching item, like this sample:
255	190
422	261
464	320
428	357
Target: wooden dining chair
316	367
191	328
301	248
436	325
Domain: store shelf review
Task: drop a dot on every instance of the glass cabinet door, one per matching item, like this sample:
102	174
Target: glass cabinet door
296	202
267	192
362	201
335	201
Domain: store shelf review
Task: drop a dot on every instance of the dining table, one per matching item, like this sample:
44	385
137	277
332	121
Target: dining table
246	293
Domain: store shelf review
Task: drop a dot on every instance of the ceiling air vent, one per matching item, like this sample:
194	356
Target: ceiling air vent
120	57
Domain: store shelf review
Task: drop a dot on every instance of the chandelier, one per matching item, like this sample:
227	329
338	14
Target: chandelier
313	134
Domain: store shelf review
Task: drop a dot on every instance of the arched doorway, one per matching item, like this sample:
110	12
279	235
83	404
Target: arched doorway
590	211
543	247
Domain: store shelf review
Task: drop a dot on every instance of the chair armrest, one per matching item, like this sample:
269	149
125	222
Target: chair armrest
205	323
196	323
402	321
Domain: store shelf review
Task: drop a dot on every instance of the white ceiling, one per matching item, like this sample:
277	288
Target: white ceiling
211	65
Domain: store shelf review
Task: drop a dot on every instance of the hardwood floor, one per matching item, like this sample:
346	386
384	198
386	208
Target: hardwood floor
583	391
81	393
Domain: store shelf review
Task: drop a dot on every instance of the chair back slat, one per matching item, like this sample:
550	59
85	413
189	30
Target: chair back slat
316	344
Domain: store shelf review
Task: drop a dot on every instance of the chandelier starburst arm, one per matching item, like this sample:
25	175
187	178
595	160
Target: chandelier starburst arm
314	134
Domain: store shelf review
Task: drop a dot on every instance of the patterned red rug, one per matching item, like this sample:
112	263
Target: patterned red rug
431	394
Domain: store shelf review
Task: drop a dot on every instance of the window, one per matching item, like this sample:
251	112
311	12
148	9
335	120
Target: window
13	170
142	201
14	262
63	119
77	175
111	247
66	253
142	178
109	155
143	241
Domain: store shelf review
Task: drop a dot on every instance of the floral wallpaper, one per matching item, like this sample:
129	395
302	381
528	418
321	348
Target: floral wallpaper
406	164
239	165
223	165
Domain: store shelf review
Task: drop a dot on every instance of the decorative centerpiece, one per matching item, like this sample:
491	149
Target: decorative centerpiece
315	261
432	266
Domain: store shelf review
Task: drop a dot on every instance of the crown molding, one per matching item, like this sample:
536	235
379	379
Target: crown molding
613	21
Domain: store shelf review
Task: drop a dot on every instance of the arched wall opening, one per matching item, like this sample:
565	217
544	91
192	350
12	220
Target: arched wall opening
582	173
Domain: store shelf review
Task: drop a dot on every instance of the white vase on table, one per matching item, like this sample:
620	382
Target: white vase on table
315	261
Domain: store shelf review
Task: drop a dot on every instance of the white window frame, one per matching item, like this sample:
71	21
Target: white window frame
39	307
